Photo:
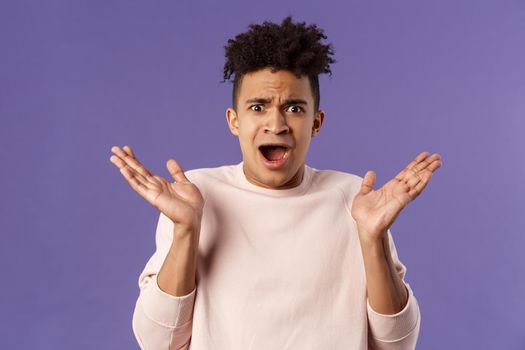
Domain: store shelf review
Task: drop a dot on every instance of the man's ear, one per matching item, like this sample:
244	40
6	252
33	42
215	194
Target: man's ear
233	121
318	122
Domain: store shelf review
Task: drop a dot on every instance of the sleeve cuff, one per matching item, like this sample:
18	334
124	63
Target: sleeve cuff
389	328
165	309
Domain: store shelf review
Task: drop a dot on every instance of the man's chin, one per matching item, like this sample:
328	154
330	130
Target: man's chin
275	183
271	181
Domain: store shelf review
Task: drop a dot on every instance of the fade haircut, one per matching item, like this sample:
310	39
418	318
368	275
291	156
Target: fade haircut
290	46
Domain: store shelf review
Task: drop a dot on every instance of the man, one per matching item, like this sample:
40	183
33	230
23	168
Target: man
271	253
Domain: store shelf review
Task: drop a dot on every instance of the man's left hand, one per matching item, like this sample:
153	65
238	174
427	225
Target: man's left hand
375	210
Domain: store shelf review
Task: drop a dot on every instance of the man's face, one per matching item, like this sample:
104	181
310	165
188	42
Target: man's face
274	108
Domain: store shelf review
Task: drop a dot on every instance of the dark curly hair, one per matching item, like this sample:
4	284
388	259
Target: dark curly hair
290	46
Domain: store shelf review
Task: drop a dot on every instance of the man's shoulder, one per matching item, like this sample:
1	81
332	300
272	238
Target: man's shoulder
336	176
346	182
223	173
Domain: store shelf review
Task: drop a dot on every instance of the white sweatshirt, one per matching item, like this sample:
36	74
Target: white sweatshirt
277	269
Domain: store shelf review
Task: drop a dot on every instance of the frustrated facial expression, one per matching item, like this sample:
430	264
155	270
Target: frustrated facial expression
275	121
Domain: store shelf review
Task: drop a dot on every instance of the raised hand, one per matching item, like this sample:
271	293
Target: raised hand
375	210
181	201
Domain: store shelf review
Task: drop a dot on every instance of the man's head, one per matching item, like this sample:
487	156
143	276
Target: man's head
276	97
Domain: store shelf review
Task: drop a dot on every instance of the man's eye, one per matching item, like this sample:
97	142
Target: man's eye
256	108
295	110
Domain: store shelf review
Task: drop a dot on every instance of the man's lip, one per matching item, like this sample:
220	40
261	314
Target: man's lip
280	144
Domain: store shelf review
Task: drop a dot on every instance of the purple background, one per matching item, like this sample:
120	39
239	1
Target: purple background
77	77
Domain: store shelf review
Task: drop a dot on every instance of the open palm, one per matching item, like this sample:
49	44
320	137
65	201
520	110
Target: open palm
181	201
376	210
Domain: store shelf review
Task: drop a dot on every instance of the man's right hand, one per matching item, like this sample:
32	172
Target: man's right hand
181	201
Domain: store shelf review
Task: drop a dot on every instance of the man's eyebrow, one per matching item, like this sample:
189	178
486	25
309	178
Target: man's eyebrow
295	101
289	101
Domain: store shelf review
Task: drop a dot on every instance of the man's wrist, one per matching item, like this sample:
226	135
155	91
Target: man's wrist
184	236
372	242
187	229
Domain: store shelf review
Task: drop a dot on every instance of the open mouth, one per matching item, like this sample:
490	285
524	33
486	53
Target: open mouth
274	153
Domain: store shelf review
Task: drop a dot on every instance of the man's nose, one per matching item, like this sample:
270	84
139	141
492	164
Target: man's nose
276	123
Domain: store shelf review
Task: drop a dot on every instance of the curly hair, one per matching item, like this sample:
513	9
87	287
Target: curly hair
290	46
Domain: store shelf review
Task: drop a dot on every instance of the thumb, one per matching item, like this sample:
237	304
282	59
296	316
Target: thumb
368	182
176	171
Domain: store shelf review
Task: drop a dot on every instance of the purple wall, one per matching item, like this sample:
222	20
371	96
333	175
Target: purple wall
77	77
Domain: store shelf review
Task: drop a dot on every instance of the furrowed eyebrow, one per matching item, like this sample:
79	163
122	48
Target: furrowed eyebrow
295	101
259	100
290	101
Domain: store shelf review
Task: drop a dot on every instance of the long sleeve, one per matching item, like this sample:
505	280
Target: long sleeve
160	320
398	331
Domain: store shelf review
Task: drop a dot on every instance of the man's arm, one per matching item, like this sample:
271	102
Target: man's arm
393	312
386	291
164	310
374	211
177	274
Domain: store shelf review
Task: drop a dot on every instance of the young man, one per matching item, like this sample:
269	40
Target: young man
271	253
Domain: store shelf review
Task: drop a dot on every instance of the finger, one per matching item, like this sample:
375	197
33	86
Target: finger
435	165
401	175
416	191
428	166
426	162
368	182
132	162
417	165
129	151
138	167
176	171
118	151
119	163
134	181
123	152
420	157
414	179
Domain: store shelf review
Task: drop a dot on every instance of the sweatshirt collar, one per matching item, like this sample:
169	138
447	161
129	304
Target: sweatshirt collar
294	191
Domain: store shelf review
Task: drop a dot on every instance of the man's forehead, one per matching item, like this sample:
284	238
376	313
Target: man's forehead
270	92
